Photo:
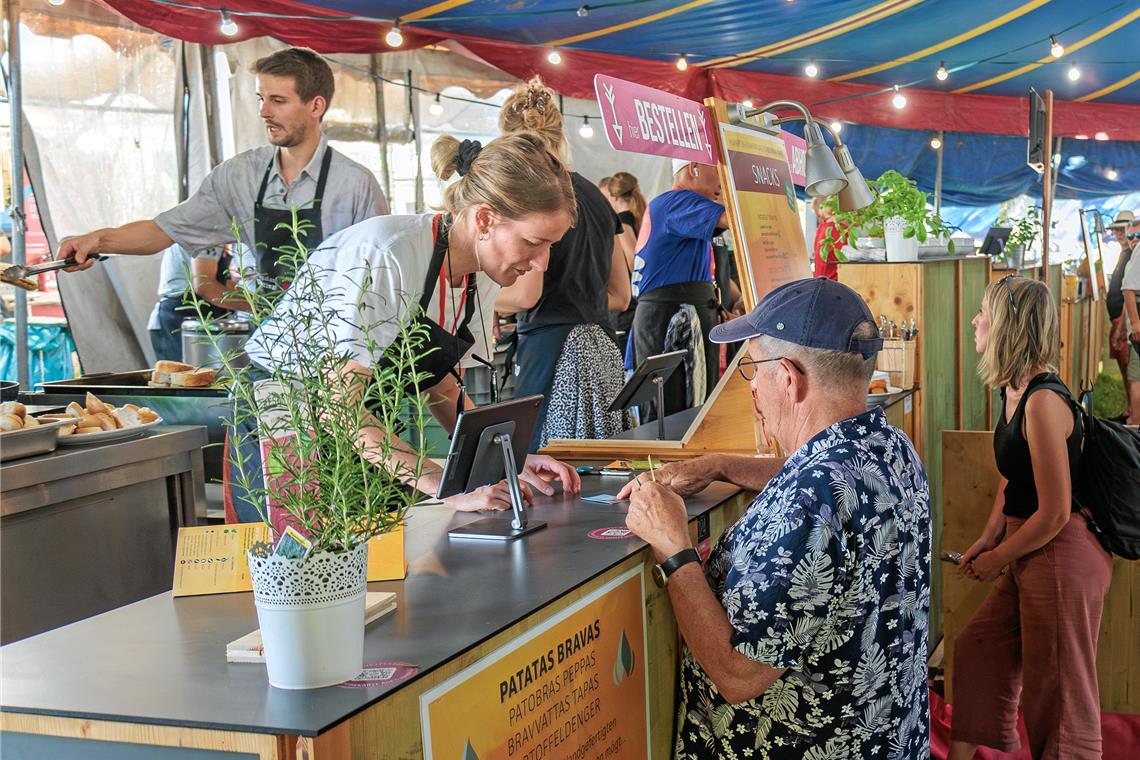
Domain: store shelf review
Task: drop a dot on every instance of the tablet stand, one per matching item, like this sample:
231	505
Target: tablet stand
491	528
647	381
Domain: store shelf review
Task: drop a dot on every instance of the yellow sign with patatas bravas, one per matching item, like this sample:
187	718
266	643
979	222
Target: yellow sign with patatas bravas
573	688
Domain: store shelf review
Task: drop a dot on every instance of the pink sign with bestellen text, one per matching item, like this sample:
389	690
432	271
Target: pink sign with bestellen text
641	119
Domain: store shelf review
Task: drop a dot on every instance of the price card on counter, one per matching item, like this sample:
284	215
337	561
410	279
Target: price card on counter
211	559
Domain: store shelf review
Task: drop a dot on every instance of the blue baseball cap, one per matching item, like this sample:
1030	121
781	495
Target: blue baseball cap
819	313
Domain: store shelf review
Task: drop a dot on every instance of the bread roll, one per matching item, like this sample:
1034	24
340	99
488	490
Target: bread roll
95	406
66	429
88	420
13	407
133	407
166	367
88	430
75	410
127	418
196	379
107	422
10	422
56	417
146	414
30	422
156	384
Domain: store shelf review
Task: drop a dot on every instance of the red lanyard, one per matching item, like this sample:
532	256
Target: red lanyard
444	284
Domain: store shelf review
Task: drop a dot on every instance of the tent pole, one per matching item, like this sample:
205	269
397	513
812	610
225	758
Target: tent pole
19	241
381	126
938	174
1047	187
415	116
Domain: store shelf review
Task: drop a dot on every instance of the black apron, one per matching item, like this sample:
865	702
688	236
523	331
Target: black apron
442	349
273	227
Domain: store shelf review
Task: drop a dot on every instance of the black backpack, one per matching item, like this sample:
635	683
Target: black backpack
1108	487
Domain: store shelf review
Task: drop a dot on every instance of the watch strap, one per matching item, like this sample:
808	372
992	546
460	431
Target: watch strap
679	560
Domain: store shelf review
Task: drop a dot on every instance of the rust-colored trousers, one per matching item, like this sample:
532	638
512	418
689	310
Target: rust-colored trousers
1034	638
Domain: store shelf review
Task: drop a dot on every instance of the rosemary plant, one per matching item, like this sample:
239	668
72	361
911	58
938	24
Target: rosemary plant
312	412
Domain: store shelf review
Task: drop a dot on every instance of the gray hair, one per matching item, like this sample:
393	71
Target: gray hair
835	369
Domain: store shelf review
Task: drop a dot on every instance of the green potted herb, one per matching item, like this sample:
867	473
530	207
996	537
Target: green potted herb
899	215
1023	233
307	418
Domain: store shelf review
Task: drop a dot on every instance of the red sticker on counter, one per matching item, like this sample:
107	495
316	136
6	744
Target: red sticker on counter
610	534
381	674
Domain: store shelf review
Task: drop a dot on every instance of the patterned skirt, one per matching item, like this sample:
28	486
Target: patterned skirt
587	378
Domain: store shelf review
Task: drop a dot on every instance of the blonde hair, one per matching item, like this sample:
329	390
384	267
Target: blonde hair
1024	331
514	174
533	107
624	185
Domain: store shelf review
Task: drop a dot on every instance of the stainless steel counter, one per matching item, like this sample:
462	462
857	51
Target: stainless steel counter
84	530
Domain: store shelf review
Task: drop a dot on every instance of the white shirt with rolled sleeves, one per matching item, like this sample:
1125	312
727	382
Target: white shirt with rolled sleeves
229	192
368	274
174	275
1131	281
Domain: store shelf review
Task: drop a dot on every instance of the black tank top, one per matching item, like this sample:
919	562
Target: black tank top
1011	451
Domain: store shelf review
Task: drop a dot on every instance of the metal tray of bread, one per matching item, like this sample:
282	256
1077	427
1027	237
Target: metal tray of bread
133	383
29	442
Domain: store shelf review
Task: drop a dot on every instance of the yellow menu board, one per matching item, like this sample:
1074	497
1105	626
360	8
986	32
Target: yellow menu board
211	559
764	199
576	686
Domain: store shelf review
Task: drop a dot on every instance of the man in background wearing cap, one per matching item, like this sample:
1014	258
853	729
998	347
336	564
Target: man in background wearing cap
673	267
1114	300
807	628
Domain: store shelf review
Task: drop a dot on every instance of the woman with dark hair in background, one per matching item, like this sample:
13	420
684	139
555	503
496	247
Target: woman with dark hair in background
624	194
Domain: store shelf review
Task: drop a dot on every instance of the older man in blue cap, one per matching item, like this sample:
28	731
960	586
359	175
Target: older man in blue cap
806	629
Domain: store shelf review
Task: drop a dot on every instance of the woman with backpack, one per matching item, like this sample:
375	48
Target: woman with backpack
1034	637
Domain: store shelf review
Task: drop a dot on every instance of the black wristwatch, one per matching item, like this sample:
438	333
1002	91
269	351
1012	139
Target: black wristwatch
662	572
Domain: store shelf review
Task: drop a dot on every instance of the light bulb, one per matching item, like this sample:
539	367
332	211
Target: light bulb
747	103
228	27
1056	49
583	11
56	2
942	73
436	108
836	127
554	57
1111	174
682	63
1074	72
586	130
899	100
394	37
1081	137
1102	136
811	69
935	142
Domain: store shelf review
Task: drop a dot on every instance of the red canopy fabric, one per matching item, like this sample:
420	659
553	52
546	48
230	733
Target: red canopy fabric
926	109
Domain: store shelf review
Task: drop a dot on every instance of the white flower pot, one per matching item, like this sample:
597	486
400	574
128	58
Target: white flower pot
899	248
311	614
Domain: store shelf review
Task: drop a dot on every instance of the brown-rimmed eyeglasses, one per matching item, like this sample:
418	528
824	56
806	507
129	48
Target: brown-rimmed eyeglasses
750	372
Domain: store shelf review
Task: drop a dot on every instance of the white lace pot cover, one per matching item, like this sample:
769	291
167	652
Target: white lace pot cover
311	614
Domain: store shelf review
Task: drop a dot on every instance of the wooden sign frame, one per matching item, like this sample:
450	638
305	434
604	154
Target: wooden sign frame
727	421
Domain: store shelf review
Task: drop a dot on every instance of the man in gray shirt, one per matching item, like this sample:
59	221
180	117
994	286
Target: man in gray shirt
257	190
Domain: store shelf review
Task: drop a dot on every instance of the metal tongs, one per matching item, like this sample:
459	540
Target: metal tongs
19	272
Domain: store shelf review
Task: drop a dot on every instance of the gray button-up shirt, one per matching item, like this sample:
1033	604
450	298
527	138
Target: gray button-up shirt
206	218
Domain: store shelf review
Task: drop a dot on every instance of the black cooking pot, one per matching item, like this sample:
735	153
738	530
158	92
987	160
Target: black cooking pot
9	390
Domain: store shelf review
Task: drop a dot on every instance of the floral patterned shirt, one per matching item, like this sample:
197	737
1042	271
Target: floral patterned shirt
828	575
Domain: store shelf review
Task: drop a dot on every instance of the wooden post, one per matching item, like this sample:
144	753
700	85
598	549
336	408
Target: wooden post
1047	187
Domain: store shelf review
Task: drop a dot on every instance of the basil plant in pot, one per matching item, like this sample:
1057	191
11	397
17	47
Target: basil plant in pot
899	214
299	457
1022	235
